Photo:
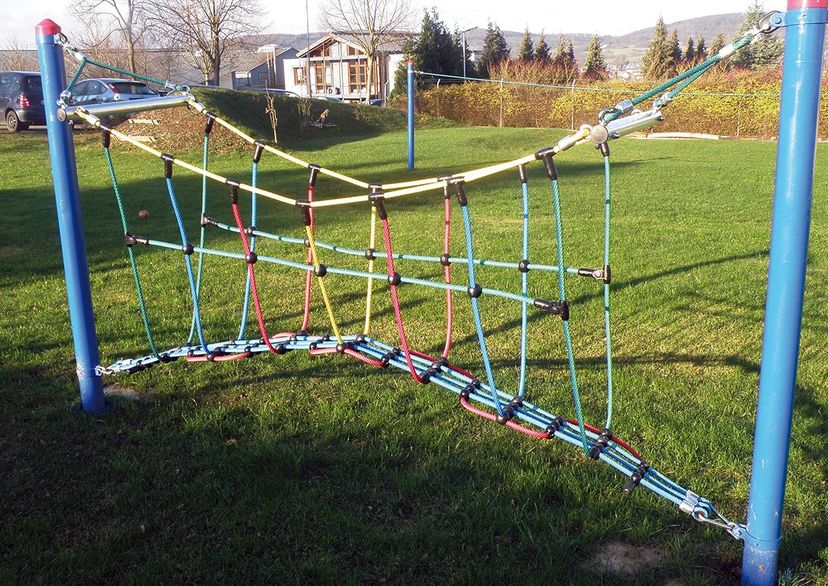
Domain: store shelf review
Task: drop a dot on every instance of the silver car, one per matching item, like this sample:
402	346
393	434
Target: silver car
104	90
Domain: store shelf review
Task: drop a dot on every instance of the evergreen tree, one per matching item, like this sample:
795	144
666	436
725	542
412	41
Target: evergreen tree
690	52
718	44
701	49
675	52
767	50
526	51
542	50
495	48
657	58
563	63
595	66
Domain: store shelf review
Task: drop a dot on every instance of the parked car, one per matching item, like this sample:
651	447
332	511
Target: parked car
106	90
328	98
21	99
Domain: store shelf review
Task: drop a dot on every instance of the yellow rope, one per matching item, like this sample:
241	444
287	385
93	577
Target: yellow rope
322	288
368	296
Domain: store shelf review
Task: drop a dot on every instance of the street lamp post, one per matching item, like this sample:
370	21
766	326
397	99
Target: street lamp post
464	47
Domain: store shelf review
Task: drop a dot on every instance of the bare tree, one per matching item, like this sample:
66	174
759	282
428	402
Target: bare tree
206	29
15	57
369	24
127	18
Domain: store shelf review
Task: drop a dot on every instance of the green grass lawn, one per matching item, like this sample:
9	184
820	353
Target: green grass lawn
294	469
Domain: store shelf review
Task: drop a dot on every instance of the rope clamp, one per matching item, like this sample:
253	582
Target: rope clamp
234	190
636	478
257	152
168	165
131	239
305	209
604	275
554	427
560	308
469	388
603	441
208	221
388	356
208	124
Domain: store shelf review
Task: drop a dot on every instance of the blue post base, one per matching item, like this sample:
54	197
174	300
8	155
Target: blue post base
759	564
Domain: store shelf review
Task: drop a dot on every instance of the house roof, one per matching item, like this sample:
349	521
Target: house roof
393	44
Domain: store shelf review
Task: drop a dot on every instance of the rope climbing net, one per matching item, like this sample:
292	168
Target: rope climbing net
482	396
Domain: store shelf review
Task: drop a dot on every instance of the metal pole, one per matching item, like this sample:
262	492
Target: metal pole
70	222
464	54
307	55
786	285
410	114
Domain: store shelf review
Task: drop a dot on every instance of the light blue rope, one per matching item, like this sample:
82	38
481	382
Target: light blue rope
187	263
481	337
607	206
524	289
204	161
254	176
573	379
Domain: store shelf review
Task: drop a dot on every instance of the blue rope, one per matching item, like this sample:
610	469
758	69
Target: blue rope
524	289
204	161
481	337
246	303
573	379
607	206
187	263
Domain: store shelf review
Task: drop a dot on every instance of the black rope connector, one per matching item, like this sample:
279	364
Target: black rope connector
257	152
187	249
250	230
378	201
165	357
340	348
508	414
389	356
306	242
305	210
168	165
360	338
445	260
547	156
604	275
106	137
523	266
251	258
395	279
554	427
208	124
375	187
234	190
603	440
524	178
469	388
370	254
320	271
604	148
636	477
560	308
130	239
435	368
475	291
208	221
517	401
313	174
461	194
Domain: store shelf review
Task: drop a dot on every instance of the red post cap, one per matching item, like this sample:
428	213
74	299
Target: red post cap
799	4
47	26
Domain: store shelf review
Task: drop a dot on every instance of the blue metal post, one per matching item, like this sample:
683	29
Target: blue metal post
410	115
70	223
786	285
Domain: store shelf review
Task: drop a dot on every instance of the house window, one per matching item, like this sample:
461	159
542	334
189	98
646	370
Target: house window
356	76
298	75
352	51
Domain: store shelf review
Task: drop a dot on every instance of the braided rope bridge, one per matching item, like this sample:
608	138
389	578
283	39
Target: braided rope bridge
481	396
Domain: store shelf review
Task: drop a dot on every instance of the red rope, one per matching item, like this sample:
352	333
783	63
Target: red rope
220	357
252	274
395	299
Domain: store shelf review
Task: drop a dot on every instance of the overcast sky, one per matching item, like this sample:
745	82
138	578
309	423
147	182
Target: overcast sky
555	16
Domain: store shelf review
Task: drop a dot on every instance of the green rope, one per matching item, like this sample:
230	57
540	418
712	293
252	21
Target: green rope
690	75
200	265
141	303
573	379
607	207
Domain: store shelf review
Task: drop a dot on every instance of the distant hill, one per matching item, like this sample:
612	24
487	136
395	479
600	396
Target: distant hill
629	47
